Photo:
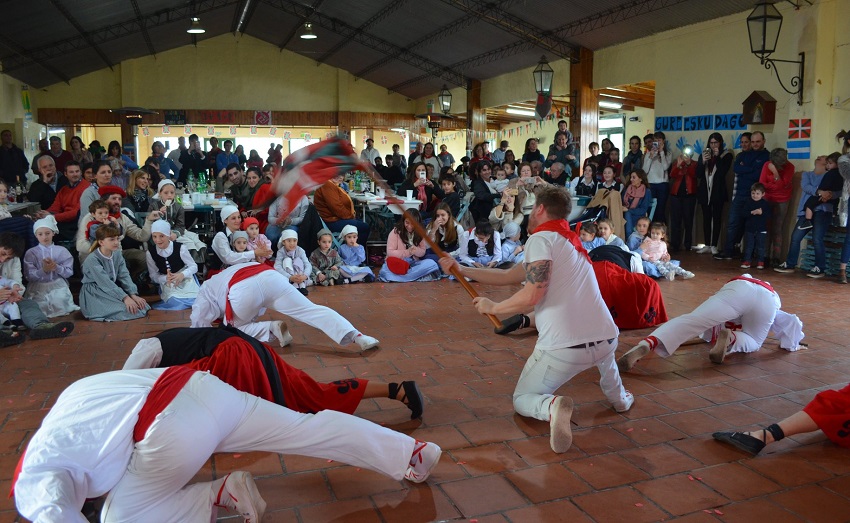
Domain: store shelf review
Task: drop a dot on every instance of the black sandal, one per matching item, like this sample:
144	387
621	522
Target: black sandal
742	441
411	396
515	322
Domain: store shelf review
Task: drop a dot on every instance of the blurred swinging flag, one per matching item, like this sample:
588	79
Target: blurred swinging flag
309	168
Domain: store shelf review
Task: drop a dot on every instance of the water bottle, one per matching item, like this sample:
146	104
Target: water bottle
357	181
190	182
11	194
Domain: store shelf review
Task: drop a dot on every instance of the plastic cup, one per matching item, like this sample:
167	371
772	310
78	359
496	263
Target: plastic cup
410	194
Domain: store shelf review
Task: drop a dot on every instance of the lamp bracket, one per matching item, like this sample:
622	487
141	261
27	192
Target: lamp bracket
796	81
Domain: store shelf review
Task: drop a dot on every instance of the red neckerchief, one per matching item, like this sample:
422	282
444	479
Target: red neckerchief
562	227
117	216
757	282
241	274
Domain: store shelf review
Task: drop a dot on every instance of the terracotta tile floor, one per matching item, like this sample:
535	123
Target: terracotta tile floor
657	462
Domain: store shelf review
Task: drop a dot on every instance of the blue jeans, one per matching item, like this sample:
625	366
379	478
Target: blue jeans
660	191
820	220
735	224
362	229
755	241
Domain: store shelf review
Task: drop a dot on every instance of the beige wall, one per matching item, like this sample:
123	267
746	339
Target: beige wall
707	68
258	76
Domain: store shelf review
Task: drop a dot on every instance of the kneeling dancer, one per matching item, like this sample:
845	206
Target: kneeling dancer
242	292
253	367
737	318
142	435
559	282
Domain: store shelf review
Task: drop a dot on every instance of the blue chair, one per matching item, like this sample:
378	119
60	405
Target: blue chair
651	213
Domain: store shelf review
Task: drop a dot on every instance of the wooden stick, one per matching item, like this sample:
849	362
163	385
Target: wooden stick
378	179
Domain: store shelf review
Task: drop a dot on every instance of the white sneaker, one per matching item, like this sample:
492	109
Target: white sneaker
688	275
281	332
365	342
704	249
671	275
714	250
238	492
425	457
630	400
560	431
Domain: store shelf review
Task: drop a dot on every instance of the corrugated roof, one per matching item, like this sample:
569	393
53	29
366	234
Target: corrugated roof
411	46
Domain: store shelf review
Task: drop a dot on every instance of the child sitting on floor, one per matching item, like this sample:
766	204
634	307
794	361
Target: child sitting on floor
481	247
588	236
239	241
512	249
353	256
605	229
255	238
326	261
171	266
637	236
47	268
654	249
292	261
108	293
100	210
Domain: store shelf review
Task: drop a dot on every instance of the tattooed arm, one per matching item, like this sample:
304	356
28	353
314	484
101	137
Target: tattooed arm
537	276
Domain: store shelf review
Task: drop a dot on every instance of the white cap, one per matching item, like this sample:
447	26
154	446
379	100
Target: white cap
286	235
163	183
226	211
161	226
348	229
48	222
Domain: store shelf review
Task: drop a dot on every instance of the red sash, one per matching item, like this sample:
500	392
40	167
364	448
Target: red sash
169	384
562	227
240	275
757	282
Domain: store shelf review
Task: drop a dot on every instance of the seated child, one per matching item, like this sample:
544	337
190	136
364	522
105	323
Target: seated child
175	215
239	241
654	249
605	229
47	268
481	247
406	254
588	235
326	261
832	183
637	236
585	185
500	179
445	232
353	256
512	249
451	198
108	293
171	266
255	238
100	210
292	261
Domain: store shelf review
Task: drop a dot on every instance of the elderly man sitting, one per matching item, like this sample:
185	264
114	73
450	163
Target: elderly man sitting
135	258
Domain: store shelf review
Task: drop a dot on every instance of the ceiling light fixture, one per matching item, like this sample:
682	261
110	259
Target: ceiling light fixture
195	27
611	105
520	112
307	32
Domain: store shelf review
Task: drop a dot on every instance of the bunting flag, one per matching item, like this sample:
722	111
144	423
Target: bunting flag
146	131
166	129
187	129
253	129
310	167
232	130
287	135
273	131
210	130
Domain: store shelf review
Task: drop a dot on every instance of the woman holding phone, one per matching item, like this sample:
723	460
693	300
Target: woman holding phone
712	170
423	188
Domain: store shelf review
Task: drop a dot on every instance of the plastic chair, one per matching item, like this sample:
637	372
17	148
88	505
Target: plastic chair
651	213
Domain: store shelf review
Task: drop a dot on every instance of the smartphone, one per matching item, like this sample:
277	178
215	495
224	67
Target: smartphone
655	145
421	176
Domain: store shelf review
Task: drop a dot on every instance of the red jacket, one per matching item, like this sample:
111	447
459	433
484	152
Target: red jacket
66	206
686	172
778	191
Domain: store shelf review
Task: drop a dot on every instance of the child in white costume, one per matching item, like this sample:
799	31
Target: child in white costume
47	268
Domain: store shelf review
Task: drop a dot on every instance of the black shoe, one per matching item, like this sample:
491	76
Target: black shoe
816	273
7	339
303	291
411	396
52	330
741	441
18	325
783	268
722	256
805	225
517	321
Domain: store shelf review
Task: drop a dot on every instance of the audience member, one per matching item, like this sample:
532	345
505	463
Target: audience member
108	293
337	209
683	202
47	268
13	162
777	176
712	172
406	254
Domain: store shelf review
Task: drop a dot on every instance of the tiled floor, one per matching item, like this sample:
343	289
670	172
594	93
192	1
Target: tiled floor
656	462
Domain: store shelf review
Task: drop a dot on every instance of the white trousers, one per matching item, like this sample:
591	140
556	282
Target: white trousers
210	416
271	290
755	305
546	370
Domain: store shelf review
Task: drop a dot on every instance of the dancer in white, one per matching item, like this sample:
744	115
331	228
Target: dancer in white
241	293
559	282
142	435
737	318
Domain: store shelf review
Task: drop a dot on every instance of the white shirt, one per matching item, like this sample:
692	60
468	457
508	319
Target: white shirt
83	446
369	155
656	169
212	300
572	311
157	277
